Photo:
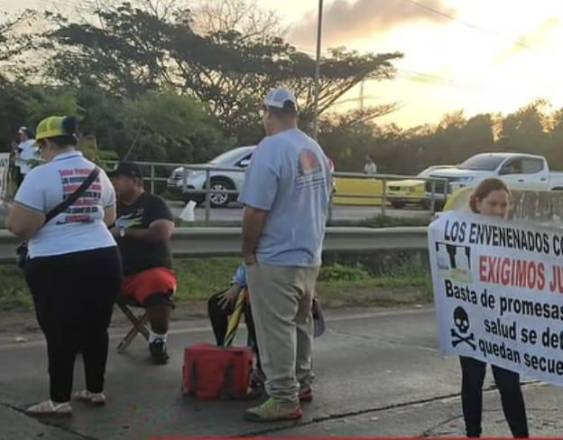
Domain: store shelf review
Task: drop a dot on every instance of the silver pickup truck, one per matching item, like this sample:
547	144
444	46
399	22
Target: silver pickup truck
519	171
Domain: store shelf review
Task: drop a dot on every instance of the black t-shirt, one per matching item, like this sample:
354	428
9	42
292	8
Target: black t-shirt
139	255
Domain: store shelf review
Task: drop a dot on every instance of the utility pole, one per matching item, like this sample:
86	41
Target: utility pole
318	71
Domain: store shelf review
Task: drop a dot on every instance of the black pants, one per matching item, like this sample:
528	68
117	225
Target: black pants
74	296
508	383
220	321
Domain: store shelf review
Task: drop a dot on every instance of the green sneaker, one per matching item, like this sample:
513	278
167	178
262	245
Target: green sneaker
273	410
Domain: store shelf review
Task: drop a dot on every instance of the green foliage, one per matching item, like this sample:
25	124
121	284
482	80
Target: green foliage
156	79
155	126
13	290
12	112
167	125
200	278
338	272
338	285
398	151
137	50
44	102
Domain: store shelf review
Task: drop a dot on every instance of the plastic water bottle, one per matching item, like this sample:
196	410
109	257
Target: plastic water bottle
188	214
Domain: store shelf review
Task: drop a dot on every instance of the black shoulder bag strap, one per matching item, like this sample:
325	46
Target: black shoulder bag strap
62	207
22	251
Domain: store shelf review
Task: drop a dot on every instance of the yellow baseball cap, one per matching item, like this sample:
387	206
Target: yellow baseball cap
50	127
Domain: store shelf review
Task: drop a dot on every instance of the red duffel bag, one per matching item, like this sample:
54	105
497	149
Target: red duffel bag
212	372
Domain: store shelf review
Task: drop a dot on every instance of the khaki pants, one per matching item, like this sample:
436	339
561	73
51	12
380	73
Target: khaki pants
281	299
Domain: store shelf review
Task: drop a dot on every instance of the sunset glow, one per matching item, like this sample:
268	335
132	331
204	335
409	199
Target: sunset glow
488	56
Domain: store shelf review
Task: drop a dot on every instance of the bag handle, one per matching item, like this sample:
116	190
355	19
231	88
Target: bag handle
62	207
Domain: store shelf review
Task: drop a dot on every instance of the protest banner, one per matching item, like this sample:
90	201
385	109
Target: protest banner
498	290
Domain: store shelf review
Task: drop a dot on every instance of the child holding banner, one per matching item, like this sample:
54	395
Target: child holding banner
491	198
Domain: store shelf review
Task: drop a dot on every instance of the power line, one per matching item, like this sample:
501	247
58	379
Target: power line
468	24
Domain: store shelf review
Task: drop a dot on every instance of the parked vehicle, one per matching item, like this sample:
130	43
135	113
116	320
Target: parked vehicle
519	171
228	179
411	191
234	162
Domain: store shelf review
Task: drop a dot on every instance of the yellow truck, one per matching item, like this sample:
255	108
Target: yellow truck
411	191
357	191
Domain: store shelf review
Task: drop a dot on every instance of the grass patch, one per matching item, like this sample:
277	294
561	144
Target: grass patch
200	278
355	286
14	294
338	285
339	272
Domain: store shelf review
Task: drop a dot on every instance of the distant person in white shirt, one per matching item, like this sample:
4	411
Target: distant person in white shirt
26	152
370	167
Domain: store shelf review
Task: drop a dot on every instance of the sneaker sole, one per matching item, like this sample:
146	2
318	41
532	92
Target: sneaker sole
290	417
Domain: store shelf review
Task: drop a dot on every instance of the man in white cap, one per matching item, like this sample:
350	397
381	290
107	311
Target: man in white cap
286	196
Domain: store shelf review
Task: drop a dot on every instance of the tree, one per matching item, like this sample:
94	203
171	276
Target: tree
348	138
124	57
42	102
525	130
211	17
12	112
136	51
168	127
14	38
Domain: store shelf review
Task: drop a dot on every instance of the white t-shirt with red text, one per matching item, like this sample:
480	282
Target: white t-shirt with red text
81	227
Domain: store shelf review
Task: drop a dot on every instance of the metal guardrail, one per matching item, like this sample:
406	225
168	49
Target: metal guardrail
152	179
216	242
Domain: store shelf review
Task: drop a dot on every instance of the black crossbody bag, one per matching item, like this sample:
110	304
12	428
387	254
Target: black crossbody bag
22	250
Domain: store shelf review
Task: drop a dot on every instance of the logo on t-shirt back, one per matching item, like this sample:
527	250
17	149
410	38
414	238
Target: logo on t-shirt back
86	209
310	172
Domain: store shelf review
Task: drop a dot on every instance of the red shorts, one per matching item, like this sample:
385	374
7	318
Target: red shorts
141	286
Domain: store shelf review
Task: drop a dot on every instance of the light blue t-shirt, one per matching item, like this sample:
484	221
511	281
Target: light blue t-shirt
290	177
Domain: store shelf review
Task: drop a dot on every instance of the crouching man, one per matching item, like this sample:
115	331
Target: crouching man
143	229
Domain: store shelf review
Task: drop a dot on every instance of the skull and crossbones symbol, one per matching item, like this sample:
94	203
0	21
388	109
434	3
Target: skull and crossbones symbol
461	321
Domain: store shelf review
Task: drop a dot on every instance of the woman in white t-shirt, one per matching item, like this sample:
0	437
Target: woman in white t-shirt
74	268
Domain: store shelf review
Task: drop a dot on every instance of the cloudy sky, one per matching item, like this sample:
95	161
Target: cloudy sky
475	55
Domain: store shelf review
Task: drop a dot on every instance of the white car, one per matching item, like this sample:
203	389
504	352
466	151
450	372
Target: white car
519	171
228	179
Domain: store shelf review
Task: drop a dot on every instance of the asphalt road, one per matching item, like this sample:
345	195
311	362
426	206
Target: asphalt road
378	373
339	213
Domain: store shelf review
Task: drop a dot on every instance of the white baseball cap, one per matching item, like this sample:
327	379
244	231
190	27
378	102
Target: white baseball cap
277	98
